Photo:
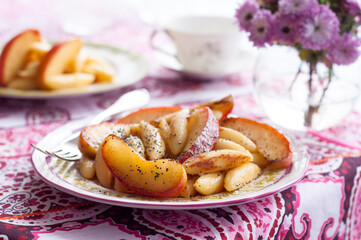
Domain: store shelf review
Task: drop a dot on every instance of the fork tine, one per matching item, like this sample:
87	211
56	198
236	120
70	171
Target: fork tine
66	158
57	154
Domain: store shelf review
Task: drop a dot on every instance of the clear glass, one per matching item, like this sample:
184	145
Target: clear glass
287	102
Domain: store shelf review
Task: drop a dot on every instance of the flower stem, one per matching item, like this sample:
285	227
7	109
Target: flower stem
330	75
311	108
295	78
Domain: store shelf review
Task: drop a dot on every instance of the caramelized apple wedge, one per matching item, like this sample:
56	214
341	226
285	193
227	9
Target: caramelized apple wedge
237	137
69	80
220	108
210	183
152	140
92	136
272	144
216	161
241	175
161	178
178	131
203	131
148	114
56	60
13	56
104	176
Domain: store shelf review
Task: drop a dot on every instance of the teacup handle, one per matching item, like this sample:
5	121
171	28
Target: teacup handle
158	48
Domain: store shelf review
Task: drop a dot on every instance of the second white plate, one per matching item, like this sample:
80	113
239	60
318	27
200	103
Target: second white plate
129	66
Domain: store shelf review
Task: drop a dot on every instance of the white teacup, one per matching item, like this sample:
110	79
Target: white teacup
204	44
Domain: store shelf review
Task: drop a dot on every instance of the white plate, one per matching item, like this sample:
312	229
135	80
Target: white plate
129	68
171	63
65	177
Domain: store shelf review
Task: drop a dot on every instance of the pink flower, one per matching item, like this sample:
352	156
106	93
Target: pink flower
319	29
344	50
261	28
352	7
296	6
245	13
285	29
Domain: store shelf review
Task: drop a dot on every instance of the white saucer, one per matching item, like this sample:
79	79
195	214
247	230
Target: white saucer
167	61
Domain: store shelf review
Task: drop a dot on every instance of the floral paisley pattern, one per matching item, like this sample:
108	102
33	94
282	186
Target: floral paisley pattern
325	204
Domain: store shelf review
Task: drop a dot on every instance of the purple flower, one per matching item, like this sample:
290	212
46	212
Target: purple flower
245	14
319	29
296	6
261	28
351	6
285	29
344	50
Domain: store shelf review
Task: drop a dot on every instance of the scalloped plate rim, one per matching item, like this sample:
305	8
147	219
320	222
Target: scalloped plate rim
62	185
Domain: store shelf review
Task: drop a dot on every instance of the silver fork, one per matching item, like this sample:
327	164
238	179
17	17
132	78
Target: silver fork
127	101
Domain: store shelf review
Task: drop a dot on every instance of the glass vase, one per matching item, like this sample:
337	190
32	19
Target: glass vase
297	98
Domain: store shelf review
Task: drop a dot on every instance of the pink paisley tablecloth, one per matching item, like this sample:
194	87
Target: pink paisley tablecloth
325	204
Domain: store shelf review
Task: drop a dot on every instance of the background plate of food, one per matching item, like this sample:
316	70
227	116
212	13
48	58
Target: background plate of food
32	67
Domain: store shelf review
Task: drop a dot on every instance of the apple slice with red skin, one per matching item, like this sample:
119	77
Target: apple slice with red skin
149	114
162	178
221	108
56	61
92	137
203	132
272	144
14	54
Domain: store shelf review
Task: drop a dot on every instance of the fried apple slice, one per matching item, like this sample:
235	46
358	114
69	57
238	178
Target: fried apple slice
102	70
153	142
13	56
228	144
87	167
23	83
237	137
69	80
189	190
210	183
203	131
178	132
148	114
135	143
216	161
104	176
30	70
241	175
272	144
221	108
92	136
161	178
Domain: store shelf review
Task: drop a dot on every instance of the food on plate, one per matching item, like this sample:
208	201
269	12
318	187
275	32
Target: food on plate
272	144
203	131
30	62
87	167
15	54
167	152
239	176
153	178
148	114
214	161
210	183
220	108
92	137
